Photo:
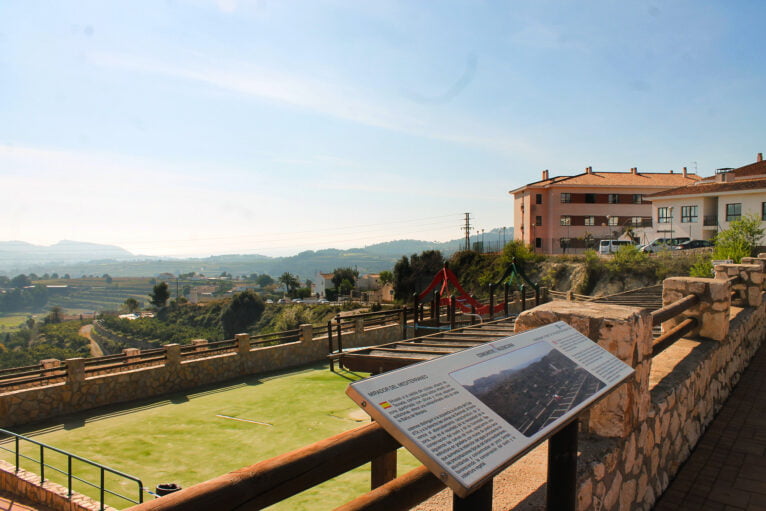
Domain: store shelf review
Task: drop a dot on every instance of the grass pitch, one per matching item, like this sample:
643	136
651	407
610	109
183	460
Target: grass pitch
181	438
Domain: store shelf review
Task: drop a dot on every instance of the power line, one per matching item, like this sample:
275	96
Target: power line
467	230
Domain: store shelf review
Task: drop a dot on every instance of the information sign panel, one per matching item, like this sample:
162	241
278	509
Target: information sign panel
468	415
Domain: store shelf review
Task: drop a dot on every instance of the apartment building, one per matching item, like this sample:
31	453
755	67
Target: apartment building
702	209
567	214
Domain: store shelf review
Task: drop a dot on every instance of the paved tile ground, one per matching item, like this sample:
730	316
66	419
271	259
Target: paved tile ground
10	502
727	470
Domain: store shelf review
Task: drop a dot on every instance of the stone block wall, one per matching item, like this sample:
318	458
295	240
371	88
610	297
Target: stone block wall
749	285
712	311
633	445
626	332
77	392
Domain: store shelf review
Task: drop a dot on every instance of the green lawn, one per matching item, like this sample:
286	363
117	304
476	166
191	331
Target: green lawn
180	438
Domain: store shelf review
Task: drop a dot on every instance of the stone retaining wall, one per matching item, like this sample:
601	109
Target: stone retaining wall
633	442
79	393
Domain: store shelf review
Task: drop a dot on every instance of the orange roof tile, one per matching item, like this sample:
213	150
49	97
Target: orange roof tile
708	188
754	169
640	179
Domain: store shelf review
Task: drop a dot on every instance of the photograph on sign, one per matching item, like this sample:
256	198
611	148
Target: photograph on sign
468	415
531	387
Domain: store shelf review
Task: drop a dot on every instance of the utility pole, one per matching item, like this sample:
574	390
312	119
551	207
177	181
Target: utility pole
467	230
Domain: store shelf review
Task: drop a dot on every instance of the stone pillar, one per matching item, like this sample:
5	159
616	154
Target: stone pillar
75	370
570	295
358	326
712	311
173	353
131	354
307	333
756	260
243	344
750	282
626	332
199	344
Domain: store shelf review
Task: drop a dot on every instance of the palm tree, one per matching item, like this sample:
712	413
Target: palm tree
290	282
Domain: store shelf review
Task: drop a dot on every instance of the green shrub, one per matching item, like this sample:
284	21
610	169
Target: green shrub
594	269
627	259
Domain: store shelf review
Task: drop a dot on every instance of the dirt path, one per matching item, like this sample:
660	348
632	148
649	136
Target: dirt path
95	349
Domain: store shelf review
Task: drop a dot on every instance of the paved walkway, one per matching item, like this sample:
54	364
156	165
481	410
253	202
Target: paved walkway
727	469
10	502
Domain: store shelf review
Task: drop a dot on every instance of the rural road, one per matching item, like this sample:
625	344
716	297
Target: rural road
95	349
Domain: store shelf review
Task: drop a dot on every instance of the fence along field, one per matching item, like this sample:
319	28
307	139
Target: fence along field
302	406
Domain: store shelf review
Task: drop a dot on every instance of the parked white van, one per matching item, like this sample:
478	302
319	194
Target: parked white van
611	246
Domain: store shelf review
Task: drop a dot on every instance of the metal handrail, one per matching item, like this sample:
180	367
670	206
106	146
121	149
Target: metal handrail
103	469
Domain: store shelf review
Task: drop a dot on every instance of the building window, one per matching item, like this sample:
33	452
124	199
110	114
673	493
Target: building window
539	198
614	220
567	220
689	214
663	215
614	198
638	198
566	198
538	243
589	220
590	198
636	220
733	211
538	221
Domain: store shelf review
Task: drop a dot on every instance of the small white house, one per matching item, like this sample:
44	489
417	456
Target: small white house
701	210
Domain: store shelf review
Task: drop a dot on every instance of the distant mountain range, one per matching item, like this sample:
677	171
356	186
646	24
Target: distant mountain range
79	258
20	253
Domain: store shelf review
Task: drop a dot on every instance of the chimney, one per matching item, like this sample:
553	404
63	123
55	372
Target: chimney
589	170
671	171
722	177
760	157
545	175
685	173
634	170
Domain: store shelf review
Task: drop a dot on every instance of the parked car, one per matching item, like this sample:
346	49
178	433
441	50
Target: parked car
611	246
693	244
283	300
322	300
297	300
664	244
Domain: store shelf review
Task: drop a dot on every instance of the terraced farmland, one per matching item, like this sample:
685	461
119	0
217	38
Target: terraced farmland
96	295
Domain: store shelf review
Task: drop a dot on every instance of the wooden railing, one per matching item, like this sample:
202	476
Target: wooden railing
36	375
667	312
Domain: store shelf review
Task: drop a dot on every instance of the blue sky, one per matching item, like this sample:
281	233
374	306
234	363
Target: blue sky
208	127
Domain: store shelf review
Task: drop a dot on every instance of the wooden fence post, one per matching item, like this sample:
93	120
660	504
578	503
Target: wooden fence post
507	289
491	301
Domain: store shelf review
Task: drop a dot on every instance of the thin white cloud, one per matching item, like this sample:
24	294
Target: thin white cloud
331	98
